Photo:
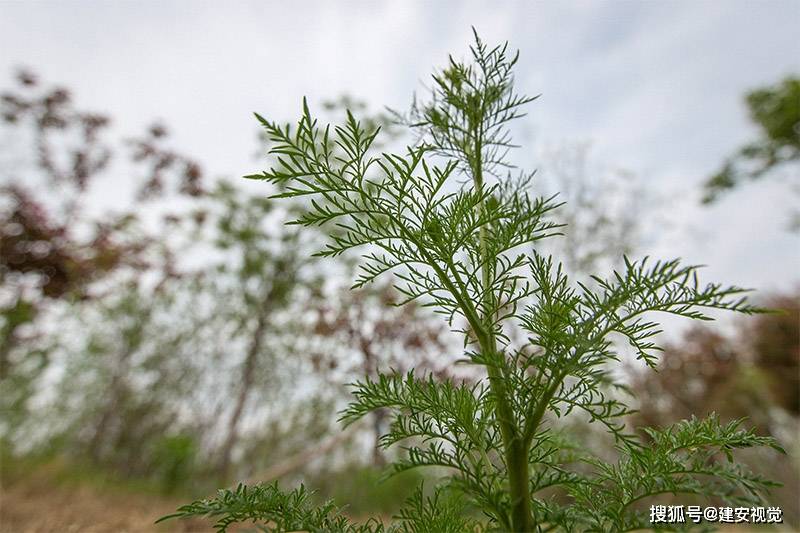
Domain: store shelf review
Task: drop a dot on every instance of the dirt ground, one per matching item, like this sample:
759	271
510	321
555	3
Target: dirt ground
40	506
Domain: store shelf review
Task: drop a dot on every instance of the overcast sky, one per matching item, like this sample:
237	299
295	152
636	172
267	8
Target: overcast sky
655	86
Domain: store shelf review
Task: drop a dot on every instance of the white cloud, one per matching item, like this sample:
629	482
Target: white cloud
656	86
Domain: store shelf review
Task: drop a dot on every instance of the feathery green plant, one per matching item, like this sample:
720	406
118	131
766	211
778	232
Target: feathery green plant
463	247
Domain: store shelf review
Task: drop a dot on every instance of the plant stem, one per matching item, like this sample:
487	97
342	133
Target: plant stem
515	448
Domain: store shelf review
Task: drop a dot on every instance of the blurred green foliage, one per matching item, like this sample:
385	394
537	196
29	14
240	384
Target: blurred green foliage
364	490
775	111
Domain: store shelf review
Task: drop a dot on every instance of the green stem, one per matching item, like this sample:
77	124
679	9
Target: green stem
515	448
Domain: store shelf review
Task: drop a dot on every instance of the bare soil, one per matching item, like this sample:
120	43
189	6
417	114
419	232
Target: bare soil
38	504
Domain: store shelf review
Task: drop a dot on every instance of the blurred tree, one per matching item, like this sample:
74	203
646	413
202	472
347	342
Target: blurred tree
752	374
775	344
775	110
50	247
120	395
385	336
749	374
160	161
258	278
146	307
62	262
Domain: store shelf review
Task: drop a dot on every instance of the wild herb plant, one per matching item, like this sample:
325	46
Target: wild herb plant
460	235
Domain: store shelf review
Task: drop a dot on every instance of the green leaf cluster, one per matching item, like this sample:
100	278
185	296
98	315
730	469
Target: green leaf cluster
461	238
